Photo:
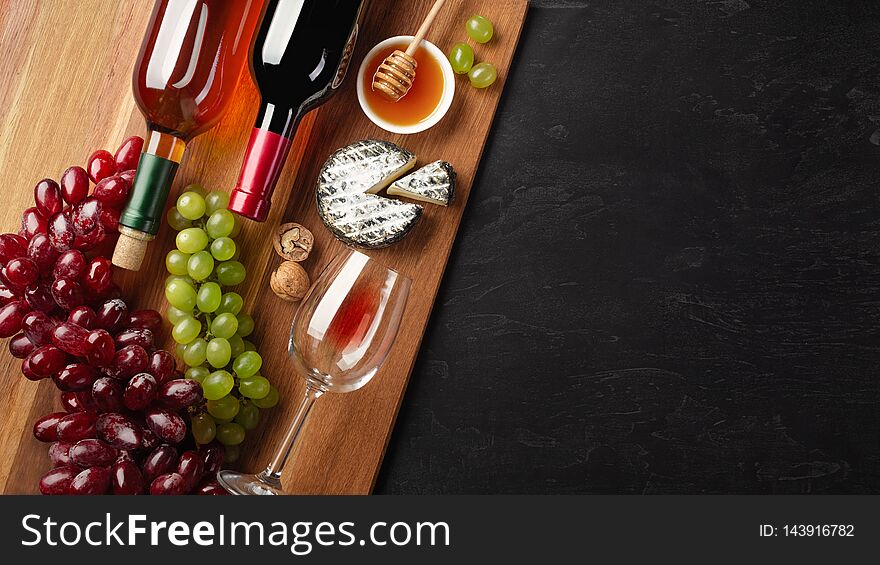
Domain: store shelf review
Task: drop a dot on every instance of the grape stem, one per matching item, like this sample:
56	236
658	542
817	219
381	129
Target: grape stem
272	473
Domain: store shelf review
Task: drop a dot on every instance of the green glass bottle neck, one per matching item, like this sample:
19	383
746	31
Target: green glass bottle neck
152	183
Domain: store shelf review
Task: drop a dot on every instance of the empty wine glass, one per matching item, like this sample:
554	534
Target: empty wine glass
340	336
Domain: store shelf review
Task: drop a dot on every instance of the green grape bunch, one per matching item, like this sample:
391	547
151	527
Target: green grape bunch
209	326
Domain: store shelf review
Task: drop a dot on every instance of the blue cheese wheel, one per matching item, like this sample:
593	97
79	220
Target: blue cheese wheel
347	203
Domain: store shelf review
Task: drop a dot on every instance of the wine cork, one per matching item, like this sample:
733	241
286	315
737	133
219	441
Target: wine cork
131	248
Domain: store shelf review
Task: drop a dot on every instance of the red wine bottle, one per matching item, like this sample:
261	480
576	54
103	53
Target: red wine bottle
299	58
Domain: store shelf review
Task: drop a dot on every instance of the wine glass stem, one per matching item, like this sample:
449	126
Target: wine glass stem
272	473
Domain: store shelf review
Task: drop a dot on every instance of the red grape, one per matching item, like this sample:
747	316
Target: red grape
107	394
77	401
112	191
39	297
91	481
46	428
129	153
74	185
7	296
161	366
32	223
100	348
75	377
70	265
100	165
126	478
47	360
110	219
22	272
83	316
41	252
211	487
68	293
12	246
11	316
119	431
191	468
140	392
70	338
99	275
129	361
76	426
38	327
180	393
168	425
135	336
86	216
92	452
169	484
149	319
20	346
59	453
113	315
213	456
61	232
149	441
47	197
58	480
28	371
89	241
129	175
159	461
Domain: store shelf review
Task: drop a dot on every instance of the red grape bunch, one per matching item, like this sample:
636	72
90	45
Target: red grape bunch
123	427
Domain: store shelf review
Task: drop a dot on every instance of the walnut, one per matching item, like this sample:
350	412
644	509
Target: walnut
293	242
290	281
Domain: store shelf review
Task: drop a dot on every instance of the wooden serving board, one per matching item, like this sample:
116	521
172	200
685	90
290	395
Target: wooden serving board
65	90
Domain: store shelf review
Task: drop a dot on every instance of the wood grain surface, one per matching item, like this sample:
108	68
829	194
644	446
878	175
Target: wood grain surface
65	91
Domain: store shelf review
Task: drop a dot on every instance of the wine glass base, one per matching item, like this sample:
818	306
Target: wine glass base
247	484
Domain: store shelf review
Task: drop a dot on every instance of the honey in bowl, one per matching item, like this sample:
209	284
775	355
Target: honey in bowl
423	98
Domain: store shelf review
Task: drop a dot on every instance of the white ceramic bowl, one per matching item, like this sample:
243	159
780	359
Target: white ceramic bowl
445	100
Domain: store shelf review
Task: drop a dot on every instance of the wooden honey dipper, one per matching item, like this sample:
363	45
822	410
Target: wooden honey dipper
396	74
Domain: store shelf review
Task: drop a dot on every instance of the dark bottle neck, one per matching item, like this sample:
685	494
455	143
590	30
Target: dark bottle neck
278	119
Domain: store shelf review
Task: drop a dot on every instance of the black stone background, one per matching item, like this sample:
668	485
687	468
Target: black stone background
667	276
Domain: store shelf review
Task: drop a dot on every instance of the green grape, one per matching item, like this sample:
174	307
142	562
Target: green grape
225	325
222	420
176	221
220	224
269	400
236	229
192	240
209	297
248	417
175	315
191	205
217	385
186	330
197	373
237	345
237	255
483	75
223	249
231	302
245	325
200	265
197	188
462	58
231	454
216	200
230	273
248	345
196	353
179	349
183	278
225	408
204	429
180	294
230	434
480	29
219	352
175	262
255	387
247	364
